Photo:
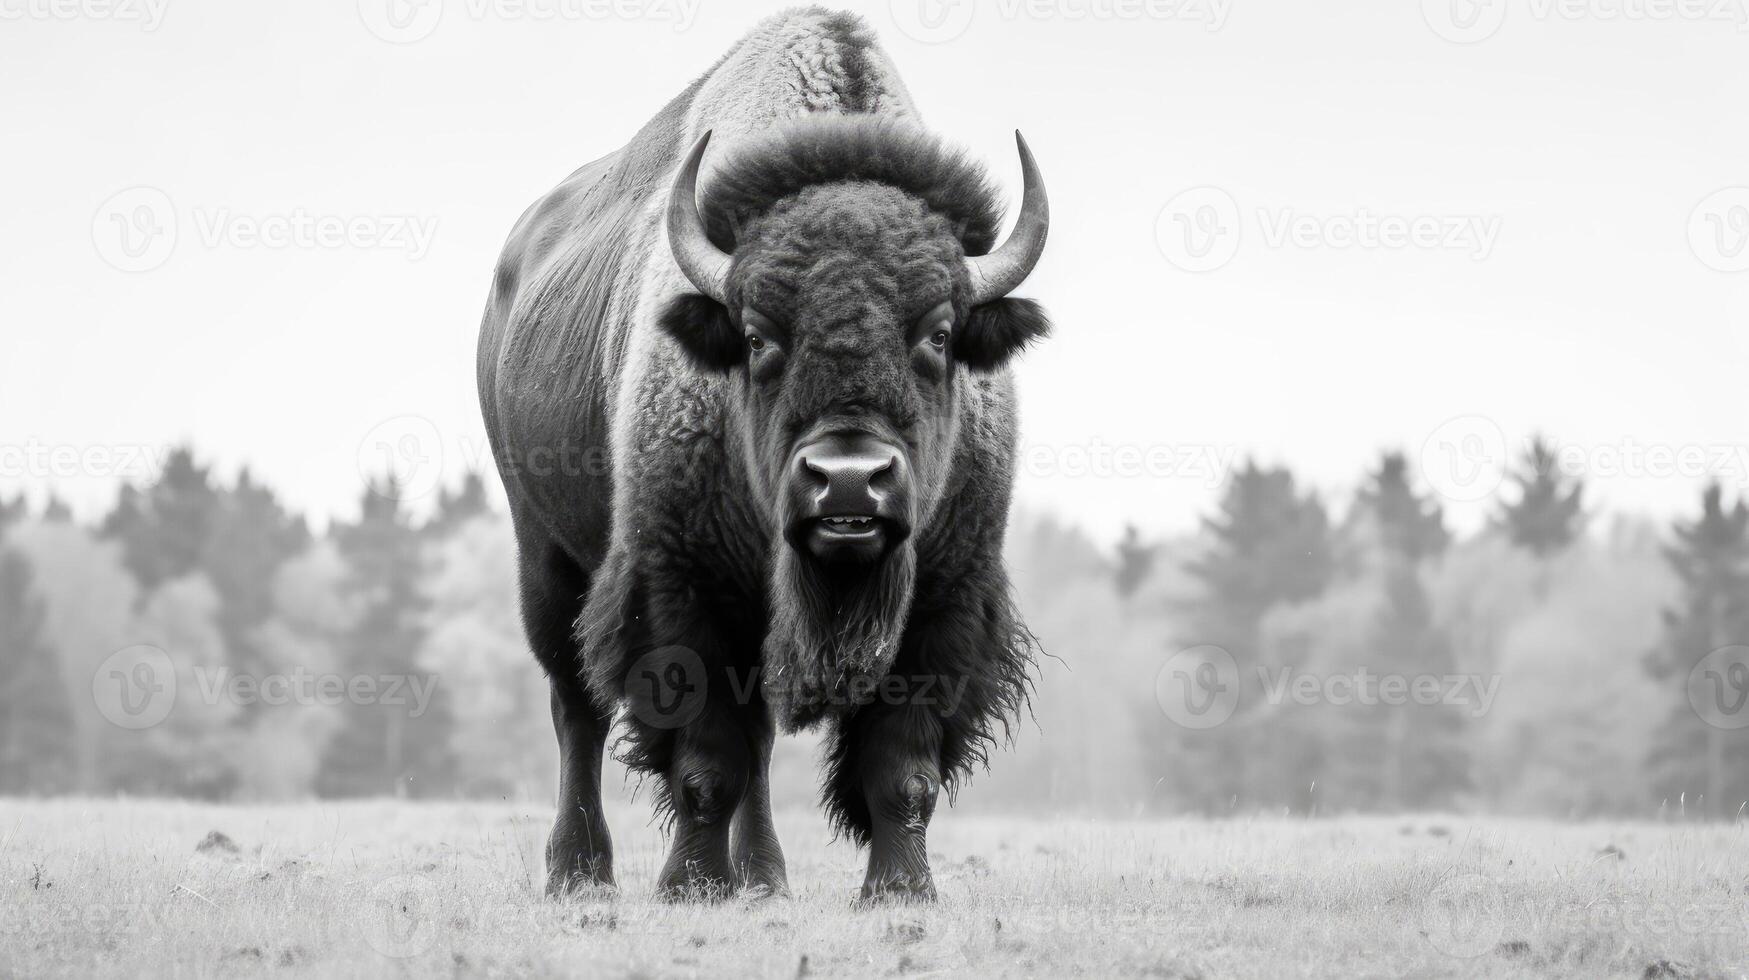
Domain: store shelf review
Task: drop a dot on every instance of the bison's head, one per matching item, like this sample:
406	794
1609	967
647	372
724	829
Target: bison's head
847	283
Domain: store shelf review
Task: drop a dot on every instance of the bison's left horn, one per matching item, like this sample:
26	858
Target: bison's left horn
702	261
995	275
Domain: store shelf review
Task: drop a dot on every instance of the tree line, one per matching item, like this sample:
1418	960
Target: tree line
1573	664
1566	660
236	589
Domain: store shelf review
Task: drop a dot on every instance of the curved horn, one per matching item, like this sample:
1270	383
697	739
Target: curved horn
705	264
995	275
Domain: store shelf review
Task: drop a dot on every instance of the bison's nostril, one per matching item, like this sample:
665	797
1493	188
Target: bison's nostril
816	475
849	475
881	480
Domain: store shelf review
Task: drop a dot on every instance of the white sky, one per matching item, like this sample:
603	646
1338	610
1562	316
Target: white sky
1590	140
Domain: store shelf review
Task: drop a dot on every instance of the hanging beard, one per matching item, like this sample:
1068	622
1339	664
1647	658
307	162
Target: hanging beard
834	632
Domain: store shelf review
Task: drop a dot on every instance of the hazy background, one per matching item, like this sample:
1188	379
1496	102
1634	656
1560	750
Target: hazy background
1592	140
1591	165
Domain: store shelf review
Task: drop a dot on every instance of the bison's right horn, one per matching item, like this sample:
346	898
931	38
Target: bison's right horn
702	261
995	275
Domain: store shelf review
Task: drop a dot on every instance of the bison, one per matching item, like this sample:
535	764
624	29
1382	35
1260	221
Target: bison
746	382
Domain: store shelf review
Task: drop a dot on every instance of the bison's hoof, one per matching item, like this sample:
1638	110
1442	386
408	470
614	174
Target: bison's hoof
897	887
757	892
707	891
764	882
693	882
579	881
577	861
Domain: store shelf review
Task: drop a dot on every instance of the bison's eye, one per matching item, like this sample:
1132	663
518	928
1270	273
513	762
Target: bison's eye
933	331
759	331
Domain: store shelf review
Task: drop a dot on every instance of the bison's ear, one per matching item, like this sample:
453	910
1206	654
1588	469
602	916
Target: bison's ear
702	327
997	331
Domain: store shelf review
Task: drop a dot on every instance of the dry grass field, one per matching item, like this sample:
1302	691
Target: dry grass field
125	889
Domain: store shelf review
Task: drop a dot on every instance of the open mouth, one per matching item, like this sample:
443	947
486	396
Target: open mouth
848	528
856	538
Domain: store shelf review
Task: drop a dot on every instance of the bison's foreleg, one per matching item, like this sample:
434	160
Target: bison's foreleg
706	781
758	856
897	751
579	851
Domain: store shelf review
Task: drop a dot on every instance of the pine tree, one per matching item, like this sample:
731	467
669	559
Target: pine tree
251	537
36	722
164	530
1135	561
238	537
383	748
56	511
12	511
1427	762
1706	765
1410	529
1549	512
126	520
1269	546
456	509
1416	751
